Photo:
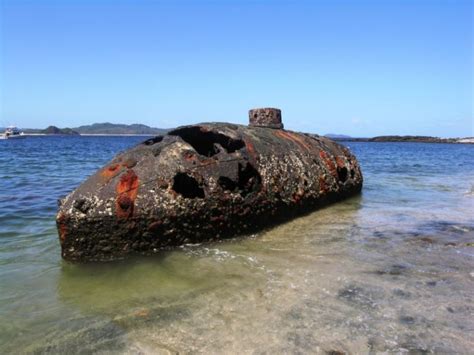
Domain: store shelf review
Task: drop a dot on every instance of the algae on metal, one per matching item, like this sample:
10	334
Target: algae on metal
203	182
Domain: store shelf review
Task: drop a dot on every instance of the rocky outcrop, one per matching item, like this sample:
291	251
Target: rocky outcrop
199	183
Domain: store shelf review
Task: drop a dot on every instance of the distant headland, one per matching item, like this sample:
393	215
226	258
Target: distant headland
402	139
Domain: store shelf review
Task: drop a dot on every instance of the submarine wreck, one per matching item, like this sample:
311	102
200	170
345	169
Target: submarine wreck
200	183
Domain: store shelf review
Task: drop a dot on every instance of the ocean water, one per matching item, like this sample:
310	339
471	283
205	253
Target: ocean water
391	270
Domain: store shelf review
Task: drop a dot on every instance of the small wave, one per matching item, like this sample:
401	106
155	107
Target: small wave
470	192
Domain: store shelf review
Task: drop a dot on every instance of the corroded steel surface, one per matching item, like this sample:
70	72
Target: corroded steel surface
198	183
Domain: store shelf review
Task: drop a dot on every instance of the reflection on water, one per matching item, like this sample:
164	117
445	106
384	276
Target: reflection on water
391	270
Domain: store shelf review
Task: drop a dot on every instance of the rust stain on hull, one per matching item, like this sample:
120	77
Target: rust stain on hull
329	162
62	227
127	190
298	139
110	172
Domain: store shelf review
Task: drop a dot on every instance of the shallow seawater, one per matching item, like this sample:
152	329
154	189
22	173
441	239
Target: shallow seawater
391	270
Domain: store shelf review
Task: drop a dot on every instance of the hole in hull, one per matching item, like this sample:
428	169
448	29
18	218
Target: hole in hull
342	174
248	181
187	186
207	143
227	184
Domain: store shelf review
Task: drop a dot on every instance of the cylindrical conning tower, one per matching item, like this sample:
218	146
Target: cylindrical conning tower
265	117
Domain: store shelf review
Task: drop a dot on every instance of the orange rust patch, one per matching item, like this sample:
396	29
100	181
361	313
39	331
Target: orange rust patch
329	163
61	222
294	138
127	190
128	184
111	171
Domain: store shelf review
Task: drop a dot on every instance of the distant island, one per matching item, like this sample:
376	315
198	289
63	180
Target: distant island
99	129
61	131
401	139
114	128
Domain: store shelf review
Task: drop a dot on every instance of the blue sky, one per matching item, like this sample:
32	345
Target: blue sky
361	68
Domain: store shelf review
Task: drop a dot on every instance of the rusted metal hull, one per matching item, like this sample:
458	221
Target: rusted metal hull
199	183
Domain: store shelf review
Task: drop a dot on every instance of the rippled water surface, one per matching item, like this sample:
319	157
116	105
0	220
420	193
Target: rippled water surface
391	270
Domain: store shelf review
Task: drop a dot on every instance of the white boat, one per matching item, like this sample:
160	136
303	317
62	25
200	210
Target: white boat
12	132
